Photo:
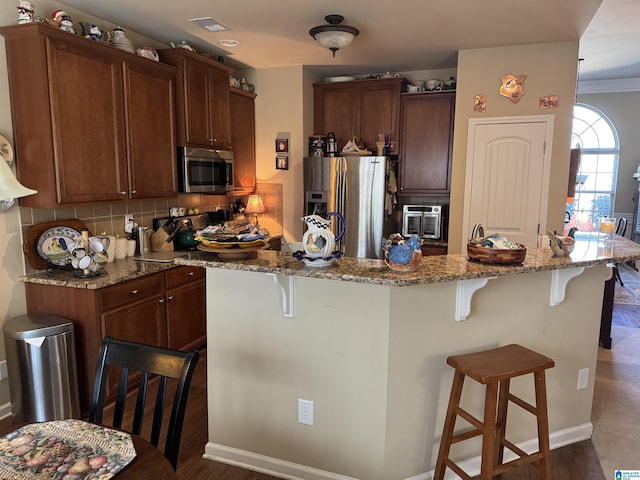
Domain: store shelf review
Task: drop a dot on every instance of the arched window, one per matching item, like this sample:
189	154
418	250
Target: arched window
597	138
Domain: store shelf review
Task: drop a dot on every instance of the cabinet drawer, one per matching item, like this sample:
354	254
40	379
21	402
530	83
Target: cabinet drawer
183	274
130	291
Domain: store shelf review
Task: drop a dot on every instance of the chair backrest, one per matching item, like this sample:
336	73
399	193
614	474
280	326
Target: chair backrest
621	228
131	357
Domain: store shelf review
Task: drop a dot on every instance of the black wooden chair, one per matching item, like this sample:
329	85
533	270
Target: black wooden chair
621	229
150	361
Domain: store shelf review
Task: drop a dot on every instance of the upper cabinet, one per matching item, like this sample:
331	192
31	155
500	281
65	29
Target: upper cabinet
360	108
426	140
202	98
90	122
243	128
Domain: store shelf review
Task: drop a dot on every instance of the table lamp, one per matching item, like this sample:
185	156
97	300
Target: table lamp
254	206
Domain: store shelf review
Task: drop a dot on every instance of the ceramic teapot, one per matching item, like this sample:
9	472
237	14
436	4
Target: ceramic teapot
319	241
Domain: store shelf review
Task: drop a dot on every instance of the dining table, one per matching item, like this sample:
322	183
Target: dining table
86	451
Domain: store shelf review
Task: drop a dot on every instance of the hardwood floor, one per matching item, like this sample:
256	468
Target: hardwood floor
573	462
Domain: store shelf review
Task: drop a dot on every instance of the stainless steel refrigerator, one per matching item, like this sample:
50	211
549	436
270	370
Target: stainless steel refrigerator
355	187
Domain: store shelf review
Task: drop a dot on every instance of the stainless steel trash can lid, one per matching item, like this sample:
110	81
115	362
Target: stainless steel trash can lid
34	325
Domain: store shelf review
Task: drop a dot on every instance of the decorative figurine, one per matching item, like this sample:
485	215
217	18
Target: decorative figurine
60	19
92	32
26	12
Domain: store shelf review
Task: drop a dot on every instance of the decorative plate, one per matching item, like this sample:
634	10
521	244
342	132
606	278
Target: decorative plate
54	243
317	261
6	150
65	448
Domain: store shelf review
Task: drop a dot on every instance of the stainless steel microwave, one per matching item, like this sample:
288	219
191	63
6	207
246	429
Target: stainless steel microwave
203	170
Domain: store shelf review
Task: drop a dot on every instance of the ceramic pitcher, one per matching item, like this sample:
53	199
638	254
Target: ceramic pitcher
319	241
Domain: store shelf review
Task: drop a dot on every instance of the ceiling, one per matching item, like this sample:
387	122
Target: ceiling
400	35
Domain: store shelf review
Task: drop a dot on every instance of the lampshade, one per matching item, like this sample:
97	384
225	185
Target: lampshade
10	188
254	204
334	36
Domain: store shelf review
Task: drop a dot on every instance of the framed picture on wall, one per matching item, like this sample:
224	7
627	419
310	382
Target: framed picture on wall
282	162
282	145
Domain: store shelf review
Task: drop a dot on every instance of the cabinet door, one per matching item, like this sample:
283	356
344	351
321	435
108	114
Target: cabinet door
336	110
142	322
88	127
426	143
197	103
150	113
186	316
379	112
243	128
219	107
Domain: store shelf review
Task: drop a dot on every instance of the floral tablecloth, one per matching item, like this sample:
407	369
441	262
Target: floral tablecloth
64	450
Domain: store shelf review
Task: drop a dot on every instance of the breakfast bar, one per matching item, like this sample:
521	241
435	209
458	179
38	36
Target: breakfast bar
368	346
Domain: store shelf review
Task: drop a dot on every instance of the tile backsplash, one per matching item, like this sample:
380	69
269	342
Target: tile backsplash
109	217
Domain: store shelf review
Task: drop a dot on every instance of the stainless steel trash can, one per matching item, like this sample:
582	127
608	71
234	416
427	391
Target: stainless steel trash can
41	362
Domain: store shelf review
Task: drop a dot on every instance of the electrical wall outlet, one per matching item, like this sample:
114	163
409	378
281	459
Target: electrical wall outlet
305	411
3	370
583	378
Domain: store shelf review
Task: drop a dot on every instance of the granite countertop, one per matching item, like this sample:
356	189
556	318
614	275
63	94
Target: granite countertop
434	269
113	273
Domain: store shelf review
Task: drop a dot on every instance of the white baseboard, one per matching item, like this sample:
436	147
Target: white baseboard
293	471
268	465
5	410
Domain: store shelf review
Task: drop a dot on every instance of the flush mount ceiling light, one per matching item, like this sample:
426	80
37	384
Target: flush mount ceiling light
334	36
229	43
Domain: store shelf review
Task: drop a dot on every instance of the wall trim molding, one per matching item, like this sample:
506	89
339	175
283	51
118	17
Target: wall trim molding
616	85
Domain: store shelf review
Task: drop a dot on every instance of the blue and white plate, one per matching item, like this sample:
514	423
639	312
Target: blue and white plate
54	244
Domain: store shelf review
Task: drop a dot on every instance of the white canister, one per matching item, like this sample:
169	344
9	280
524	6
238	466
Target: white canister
121	248
131	248
111	249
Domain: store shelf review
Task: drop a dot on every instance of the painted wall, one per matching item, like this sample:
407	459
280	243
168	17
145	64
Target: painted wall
551	69
373	360
622	109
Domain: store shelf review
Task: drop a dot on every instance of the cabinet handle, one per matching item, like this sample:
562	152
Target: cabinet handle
133	192
169	297
133	292
123	193
190	274
161	300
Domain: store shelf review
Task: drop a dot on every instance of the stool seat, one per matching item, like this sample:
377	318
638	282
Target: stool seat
495	368
500	363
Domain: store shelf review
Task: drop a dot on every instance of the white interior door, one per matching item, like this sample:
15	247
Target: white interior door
507	181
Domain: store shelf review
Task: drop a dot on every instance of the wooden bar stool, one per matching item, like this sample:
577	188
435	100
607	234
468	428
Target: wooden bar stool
495	368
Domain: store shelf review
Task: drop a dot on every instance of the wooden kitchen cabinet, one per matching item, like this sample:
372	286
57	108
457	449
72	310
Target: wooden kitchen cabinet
166	308
426	143
243	138
202	99
186	307
88	118
360	108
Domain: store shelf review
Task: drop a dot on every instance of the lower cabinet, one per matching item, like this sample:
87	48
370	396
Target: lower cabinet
166	309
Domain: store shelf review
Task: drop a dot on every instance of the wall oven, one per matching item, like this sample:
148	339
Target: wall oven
203	170
425	221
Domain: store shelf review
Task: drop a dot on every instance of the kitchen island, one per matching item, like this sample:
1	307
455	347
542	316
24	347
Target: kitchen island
368	347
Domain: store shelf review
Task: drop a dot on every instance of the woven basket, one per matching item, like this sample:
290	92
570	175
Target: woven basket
496	255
